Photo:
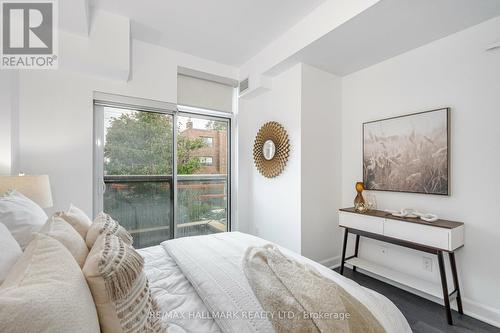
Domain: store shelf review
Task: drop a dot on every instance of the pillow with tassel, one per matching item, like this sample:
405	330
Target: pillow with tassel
104	224
115	274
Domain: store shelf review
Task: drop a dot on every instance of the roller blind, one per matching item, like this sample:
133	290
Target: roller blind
204	94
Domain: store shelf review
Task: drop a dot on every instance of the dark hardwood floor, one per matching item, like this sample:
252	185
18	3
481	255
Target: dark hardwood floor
423	315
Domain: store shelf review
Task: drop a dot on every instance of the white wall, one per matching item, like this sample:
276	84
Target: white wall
9	94
104	52
455	72
5	124
321	167
270	208
56	114
297	209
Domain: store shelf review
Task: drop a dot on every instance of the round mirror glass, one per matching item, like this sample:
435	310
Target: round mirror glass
269	150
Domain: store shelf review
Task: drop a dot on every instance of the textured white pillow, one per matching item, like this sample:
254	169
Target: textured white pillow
10	252
78	220
62	231
46	292
21	216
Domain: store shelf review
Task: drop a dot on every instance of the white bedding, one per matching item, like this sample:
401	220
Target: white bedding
212	264
175	295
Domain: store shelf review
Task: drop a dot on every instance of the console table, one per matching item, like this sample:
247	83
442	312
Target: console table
431	237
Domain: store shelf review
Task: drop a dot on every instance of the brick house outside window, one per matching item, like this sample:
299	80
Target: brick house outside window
214	151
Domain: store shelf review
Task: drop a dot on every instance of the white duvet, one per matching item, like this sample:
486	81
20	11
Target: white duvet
196	278
175	295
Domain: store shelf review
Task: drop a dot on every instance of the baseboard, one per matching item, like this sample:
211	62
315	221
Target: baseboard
332	262
481	312
471	308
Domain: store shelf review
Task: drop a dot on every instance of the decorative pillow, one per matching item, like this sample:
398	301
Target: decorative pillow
10	252
46	292
62	231
104	223
21	216
114	272
78	219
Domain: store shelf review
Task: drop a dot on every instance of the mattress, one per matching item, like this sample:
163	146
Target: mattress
182	309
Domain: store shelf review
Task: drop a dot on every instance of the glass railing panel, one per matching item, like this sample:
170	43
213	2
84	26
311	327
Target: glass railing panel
142	205
202	205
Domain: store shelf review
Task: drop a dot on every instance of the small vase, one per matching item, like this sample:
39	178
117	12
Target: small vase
359	201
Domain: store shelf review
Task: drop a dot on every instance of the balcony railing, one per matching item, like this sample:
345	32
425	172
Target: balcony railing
144	205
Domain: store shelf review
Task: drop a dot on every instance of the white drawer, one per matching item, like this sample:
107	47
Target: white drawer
361	222
418	233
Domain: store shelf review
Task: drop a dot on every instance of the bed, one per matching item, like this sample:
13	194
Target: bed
199	285
76	275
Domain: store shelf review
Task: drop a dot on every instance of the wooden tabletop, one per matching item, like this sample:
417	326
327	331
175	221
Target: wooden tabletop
378	213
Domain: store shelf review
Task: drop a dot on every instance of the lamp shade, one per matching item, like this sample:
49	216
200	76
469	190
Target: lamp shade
37	188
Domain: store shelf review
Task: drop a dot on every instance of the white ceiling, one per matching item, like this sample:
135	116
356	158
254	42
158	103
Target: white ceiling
227	31
392	27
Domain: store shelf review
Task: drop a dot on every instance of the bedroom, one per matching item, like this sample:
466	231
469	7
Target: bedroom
153	117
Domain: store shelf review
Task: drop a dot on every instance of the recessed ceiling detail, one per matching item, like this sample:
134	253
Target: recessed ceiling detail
226	31
390	28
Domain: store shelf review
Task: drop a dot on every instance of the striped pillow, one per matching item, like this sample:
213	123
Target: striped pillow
115	275
104	224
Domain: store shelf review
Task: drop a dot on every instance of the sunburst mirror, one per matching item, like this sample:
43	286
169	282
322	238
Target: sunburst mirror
271	149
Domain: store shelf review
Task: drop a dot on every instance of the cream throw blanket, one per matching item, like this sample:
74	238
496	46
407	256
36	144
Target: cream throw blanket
302	300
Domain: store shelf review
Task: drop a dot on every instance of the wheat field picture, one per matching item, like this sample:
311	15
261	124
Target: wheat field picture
407	153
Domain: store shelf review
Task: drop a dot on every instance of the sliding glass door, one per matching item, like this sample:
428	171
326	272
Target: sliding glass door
137	172
140	185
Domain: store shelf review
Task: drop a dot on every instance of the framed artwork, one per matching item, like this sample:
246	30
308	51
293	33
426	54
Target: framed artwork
408	153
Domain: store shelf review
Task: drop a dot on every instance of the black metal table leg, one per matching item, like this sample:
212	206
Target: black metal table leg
356	251
344	245
446	296
453	266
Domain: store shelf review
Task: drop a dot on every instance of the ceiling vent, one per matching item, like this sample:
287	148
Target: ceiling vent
244	85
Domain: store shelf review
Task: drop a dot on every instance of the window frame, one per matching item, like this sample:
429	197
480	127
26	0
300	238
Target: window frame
101	100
